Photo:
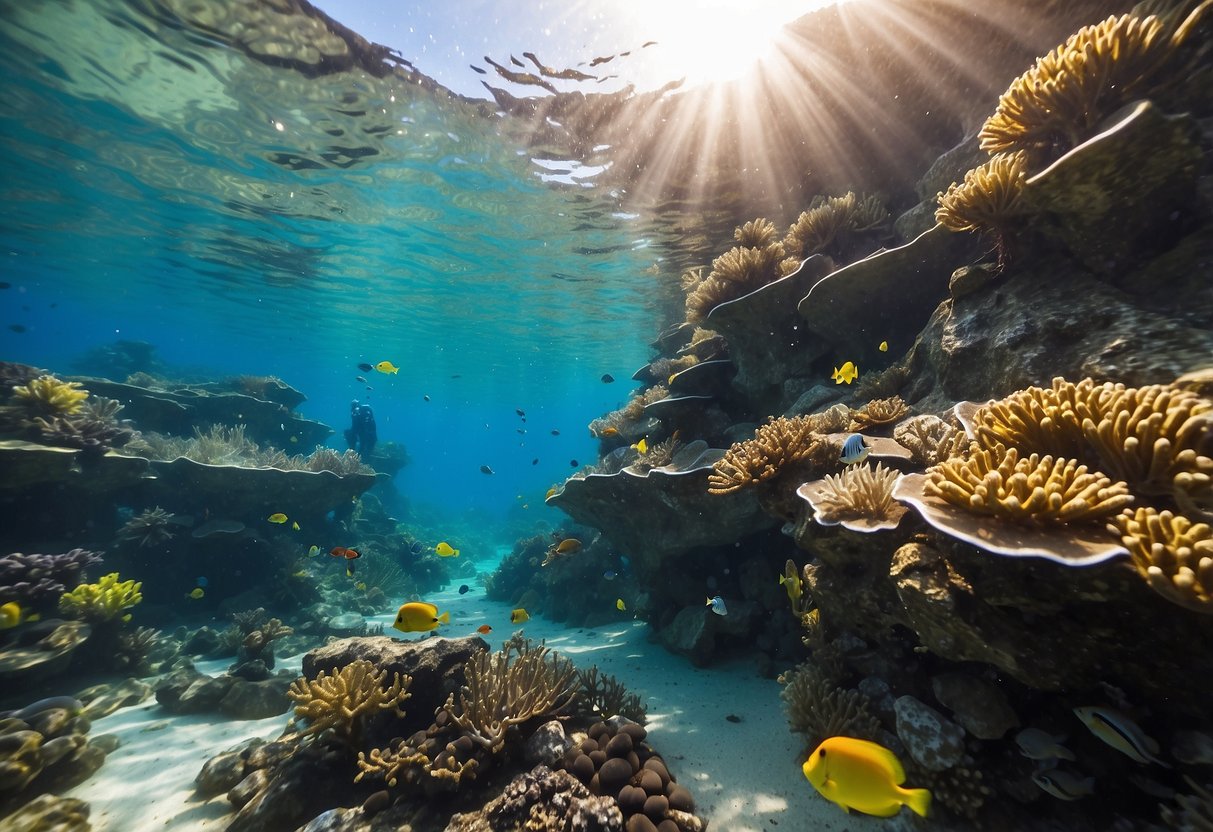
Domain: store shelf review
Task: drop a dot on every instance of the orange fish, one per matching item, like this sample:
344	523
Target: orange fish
342	552
609	432
484	629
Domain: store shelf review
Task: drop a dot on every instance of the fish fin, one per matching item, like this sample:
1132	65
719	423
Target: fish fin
445	618
919	801
886	760
432	609
456	554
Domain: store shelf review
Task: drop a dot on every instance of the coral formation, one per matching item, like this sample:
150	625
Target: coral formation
103	601
989	199
860	499
757	260
224	445
775	446
342	700
1034	490
818	707
879	412
604	695
49	396
930	439
149	527
1058	102
1172	553
36	580
510	687
830	217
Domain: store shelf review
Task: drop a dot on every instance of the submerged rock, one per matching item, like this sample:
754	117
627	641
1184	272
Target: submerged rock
934	741
543	799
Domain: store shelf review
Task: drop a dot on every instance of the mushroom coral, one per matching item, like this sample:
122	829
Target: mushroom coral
102	601
860	499
1059	101
1172	553
343	699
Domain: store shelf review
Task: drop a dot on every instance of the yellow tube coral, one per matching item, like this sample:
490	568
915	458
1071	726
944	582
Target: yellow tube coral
49	396
988	199
102	601
343	699
1172	553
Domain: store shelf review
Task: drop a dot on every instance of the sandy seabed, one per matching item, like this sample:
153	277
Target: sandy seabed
745	775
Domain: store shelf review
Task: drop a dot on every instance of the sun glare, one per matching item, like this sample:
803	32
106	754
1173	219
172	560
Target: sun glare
706	41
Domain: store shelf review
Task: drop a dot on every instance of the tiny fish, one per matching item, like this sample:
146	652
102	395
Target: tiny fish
366	368
854	451
642	447
535	461
521	431
277	517
294	440
387	367
864	776
1036	744
717	605
202	581
848	372
425	398
605	432
520	412
18	328
445	550
619	605
343	552
1120	732
884	346
607	378
295	525
610	575
791	582
195	593
417	548
568	546
419	617
361	379
360	586
349	569
573	463
519	616
464	589
313	551
484	469
555	432
551	492
484	629
1063	785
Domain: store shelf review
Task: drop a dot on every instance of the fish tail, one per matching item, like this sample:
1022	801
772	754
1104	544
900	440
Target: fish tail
919	800
445	618
456	554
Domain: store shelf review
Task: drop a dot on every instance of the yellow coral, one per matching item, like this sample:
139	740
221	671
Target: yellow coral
1035	490
930	439
775	445
1056	104
102	601
50	396
860	498
816	228
988	199
344	699
879	412
1172	553
758	233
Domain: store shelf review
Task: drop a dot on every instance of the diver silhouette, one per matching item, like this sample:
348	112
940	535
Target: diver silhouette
361	435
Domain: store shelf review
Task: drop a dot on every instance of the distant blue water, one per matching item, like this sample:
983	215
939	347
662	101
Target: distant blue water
246	220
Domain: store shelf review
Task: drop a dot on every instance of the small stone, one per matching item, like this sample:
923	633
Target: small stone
247	789
377	802
547	745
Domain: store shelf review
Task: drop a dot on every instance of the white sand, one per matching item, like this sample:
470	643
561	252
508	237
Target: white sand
745	776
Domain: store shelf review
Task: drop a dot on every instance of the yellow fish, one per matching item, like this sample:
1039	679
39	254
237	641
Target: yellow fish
10	615
864	776
419	617
387	367
195	593
568	546
360	586
277	517
302	573
444	550
884	346
295	526
619	605
519	616
313	551
791	582
551	493
848	372
642	446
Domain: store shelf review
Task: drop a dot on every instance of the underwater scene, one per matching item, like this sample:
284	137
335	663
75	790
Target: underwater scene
605	417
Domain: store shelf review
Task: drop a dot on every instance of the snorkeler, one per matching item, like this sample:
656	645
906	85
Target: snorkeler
362	434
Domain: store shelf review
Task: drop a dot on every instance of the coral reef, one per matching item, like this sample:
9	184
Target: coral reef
930	439
860	499
50	396
343	700
103	601
879	412
606	696
989	199
738	271
775	447
818	707
507	688
1172	553
37	580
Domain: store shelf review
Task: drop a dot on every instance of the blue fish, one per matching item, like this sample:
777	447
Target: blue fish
202	581
854	450
417	548
610	575
717	605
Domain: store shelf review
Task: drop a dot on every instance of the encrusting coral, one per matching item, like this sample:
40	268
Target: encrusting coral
103	601
1058	102
988	199
879	412
509	687
342	701
860	499
1032	490
776	445
1172	553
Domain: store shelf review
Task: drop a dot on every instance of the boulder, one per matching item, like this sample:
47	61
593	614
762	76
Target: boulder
981	708
934	741
256	700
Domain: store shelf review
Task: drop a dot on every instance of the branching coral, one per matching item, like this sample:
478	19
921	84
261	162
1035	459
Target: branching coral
37	579
343	700
828	217
49	396
776	444
860	498
737	272
82	432
989	199
102	601
1057	103
758	233
1033	490
149	527
604	695
930	439
879	412
509	687
1172	553
818	707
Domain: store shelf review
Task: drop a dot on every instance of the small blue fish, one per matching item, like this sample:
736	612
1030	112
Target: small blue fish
854	451
202	581
717	605
463	589
417	548
610	575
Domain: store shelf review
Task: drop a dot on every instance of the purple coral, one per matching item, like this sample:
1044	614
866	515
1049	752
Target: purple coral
35	580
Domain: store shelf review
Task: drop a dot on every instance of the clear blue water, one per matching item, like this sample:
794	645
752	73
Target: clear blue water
161	190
